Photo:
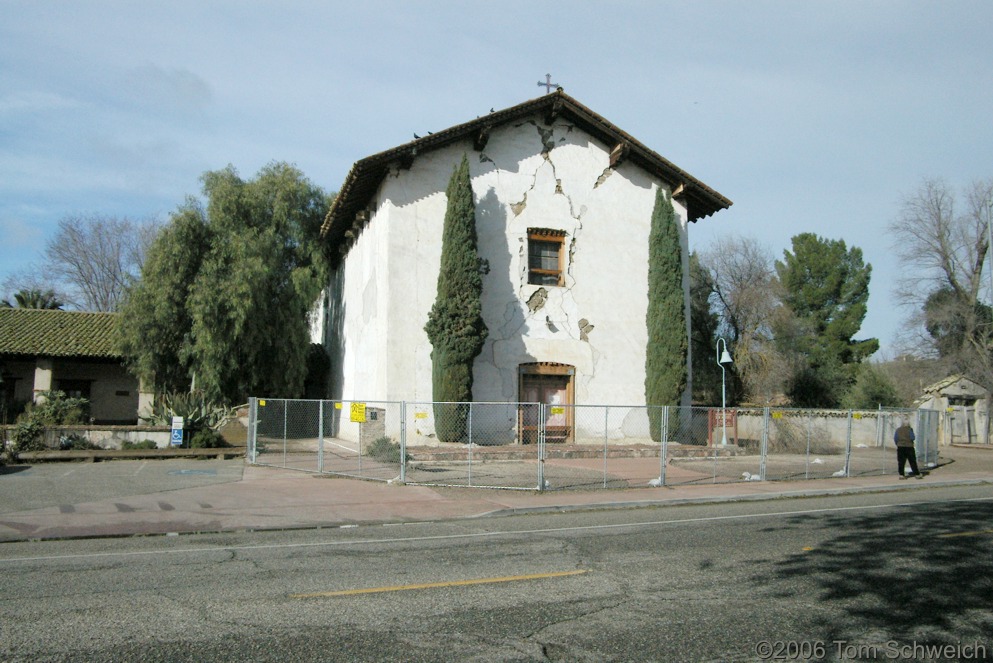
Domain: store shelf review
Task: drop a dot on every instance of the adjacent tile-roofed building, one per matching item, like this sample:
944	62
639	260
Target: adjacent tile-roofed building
46	333
70	351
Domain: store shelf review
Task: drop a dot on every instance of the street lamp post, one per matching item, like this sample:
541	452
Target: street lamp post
723	358
989	245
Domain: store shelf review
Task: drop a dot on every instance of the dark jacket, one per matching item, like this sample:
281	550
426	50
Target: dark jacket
904	436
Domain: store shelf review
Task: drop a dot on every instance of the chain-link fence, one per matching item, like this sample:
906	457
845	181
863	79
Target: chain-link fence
534	446
350	438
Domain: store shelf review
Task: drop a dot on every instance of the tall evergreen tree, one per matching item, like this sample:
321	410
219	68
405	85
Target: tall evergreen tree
826	286
455	324
703	335
665	360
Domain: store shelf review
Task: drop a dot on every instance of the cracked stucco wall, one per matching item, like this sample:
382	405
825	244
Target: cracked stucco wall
530	175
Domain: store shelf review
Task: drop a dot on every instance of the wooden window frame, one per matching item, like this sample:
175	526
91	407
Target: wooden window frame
547	236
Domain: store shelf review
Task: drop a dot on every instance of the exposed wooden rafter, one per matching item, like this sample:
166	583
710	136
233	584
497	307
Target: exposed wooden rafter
406	159
619	154
553	111
481	138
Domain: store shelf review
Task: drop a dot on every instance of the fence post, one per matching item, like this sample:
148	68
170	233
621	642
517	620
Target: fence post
252	428
541	447
606	435
286	411
403	441
664	452
764	447
320	436
848	447
469	428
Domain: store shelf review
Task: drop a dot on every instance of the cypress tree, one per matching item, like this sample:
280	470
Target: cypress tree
665	358
455	324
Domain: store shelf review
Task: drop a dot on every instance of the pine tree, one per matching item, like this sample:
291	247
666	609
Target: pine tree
826	286
455	324
665	358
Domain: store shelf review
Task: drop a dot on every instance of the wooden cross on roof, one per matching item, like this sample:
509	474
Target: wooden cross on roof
548	84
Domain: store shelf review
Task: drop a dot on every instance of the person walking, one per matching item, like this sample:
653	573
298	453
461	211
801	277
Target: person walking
904	438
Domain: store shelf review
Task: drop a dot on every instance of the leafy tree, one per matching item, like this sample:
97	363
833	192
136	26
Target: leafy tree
943	242
94	259
455	324
225	291
90	261
36	299
826	286
747	298
157	320
665	360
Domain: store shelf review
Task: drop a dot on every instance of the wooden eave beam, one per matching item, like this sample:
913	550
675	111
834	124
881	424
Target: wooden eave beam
406	160
619	154
553	111
481	138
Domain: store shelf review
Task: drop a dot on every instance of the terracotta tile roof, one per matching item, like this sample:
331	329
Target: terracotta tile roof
38	332
364	178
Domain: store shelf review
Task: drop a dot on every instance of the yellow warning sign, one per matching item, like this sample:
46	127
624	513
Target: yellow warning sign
337	406
420	415
262	403
558	410
777	415
856	415
358	412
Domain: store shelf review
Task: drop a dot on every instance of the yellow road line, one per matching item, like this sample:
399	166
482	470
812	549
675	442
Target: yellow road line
975	533
433	585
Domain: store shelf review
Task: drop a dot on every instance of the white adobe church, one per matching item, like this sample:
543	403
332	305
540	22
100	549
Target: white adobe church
564	202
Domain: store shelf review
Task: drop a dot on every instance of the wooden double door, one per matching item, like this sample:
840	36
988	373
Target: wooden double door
551	386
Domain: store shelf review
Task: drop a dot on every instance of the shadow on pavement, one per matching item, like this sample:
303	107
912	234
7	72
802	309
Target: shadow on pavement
922	575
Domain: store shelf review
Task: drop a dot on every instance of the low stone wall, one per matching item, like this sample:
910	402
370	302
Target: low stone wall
105	437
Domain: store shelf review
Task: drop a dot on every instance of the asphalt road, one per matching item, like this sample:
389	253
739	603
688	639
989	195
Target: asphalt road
838	578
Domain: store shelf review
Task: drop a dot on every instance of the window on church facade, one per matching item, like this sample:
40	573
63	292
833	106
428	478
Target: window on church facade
545	256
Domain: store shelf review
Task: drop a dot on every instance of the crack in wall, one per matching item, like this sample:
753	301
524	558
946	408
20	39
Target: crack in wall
607	172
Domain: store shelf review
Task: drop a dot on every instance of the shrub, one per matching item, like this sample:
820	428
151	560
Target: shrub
28	436
195	408
207	438
386	450
144	444
75	442
56	409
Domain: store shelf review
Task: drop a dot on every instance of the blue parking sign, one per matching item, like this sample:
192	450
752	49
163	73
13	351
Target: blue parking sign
177	431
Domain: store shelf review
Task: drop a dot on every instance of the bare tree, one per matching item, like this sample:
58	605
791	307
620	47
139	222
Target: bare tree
943	250
95	258
748	301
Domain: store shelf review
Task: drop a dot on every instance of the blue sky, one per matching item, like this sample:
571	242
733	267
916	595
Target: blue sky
811	116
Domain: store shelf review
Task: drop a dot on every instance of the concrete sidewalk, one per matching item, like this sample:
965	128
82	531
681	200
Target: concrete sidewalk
126	498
